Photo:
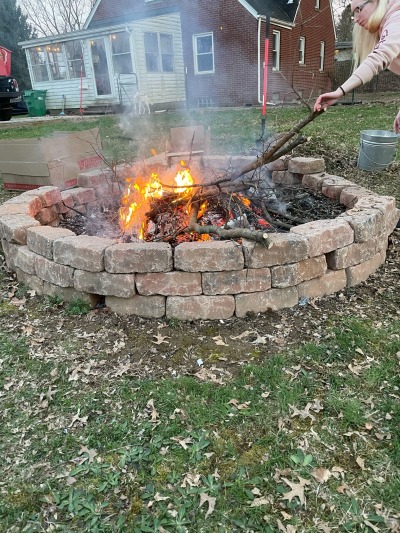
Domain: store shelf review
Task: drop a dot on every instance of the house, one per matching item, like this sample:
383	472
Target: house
187	53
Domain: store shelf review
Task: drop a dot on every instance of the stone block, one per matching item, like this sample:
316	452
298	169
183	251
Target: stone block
83	195
169	283
284	177
293	274
306	165
8	253
47	215
384	204
94	178
30	204
104	283
353	254
146	306
82	252
67	294
32	281
49	195
40	239
14	227
285	248
367	224
359	273
313	181
278	164
67	198
21	208
391	221
260	302
236	281
200	307
138	257
54	273
208	256
325	235
332	281
332	186
24	259
350	195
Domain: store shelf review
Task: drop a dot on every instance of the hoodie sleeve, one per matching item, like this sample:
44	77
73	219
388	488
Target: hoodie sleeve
386	50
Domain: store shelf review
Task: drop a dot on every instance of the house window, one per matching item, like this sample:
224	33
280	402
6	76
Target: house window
302	50
73	53
322	56
57	64
159	52
276	50
203	46
39	64
121	53
317	4
167	52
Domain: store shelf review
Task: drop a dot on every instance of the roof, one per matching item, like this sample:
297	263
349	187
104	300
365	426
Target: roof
284	10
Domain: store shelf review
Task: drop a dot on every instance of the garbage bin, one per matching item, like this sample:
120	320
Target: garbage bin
36	103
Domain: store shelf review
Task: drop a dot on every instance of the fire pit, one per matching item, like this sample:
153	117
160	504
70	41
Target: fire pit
214	279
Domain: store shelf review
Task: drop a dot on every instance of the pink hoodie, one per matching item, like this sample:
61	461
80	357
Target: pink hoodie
386	53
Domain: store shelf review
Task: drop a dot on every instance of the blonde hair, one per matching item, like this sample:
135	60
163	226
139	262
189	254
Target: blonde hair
365	40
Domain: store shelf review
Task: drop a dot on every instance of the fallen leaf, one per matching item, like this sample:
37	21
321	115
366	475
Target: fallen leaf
77	418
342	488
193	480
321	474
91	454
160	339
219	341
154	414
361	463
297	490
210	500
256	491
288	529
302	413
183	441
238	405
258	502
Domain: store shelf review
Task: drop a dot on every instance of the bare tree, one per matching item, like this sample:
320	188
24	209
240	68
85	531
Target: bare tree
338	7
54	17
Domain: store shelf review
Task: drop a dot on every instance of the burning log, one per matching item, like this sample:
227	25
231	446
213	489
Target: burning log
235	233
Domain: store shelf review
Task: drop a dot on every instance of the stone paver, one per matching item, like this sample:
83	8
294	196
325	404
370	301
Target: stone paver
82	252
260	302
138	257
200	307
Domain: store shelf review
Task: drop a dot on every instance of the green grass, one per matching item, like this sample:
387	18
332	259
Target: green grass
232	130
125	455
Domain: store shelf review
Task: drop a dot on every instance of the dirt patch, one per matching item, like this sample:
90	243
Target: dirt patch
212	350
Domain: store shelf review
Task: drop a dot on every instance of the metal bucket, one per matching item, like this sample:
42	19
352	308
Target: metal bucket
377	148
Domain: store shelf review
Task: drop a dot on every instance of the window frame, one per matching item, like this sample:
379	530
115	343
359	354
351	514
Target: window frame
51	65
302	50
317	5
322	56
160	54
120	54
276	65
196	54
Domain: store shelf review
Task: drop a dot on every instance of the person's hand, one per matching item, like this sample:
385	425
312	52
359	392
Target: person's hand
327	99
396	123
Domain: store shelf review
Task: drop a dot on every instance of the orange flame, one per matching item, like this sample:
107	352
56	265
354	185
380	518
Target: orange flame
136	201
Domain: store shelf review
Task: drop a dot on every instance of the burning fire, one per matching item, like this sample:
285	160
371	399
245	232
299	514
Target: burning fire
139	194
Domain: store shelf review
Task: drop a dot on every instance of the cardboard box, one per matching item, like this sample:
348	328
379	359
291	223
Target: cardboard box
57	160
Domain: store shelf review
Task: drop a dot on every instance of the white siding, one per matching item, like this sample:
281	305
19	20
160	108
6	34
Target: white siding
160	86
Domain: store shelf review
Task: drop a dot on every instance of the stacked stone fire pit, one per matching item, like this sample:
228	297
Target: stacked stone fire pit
197	280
